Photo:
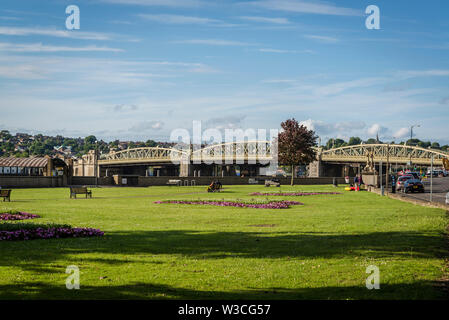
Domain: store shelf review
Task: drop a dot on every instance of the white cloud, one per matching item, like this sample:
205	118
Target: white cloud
376	129
334	129
25	71
125	108
339	87
146	126
266	20
300	6
18	31
402	133
214	42
269	50
324	39
179	19
227	122
423	73
162	3
39	47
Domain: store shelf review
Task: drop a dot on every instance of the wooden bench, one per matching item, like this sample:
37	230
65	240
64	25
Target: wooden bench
173	182
272	182
80	190
5	194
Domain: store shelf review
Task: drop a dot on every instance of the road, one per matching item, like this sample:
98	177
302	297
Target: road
440	188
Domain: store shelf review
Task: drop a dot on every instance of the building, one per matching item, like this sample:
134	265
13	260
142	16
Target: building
33	166
85	166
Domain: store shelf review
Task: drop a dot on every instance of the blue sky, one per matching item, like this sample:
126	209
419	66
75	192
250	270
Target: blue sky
137	69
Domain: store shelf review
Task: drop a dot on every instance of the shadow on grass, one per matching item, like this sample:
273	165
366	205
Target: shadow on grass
219	245
140	291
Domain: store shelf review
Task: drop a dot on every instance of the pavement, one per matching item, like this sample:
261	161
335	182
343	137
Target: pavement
439	190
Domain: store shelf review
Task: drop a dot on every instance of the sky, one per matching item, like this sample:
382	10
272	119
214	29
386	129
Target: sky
138	69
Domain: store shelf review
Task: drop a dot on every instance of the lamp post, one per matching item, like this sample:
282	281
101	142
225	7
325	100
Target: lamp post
411	137
96	163
411	130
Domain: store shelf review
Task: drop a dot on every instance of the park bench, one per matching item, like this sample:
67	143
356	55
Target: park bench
5	194
272	182
174	182
80	190
253	181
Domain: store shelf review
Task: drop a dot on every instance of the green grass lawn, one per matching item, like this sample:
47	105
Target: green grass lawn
159	251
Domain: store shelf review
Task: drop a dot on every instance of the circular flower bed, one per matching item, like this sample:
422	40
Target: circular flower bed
17	231
257	205
16	215
296	194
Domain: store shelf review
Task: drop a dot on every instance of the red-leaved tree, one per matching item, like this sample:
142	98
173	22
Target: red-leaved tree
295	145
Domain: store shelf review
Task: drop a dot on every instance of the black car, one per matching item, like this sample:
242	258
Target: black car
413	185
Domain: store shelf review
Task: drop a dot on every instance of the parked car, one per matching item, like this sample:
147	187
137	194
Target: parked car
413	185
435	174
401	181
415	175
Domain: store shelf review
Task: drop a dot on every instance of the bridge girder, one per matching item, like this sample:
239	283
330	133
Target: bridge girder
384	152
260	152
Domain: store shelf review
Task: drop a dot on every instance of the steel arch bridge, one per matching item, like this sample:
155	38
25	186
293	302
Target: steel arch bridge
393	153
142	155
248	151
262	152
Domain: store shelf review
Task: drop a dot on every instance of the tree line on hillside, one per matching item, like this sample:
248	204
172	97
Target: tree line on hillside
337	143
25	145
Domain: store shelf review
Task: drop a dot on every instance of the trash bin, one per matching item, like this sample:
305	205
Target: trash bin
393	189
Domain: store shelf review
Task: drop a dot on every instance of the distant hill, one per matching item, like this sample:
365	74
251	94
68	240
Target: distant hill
24	145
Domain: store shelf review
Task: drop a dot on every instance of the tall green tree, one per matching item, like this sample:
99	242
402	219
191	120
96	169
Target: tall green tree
353	141
295	145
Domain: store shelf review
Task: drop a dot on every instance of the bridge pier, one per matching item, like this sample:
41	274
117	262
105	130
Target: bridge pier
315	169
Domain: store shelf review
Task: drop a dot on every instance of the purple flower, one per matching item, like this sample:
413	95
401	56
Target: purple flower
256	205
296	194
16	215
47	233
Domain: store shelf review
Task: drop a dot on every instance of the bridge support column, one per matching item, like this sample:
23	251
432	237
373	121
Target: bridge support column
315	169
184	169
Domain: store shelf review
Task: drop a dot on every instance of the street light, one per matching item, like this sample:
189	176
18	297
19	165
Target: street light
411	130
96	163
411	137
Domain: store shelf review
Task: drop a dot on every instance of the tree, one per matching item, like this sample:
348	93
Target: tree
335	143
371	141
295	145
353	141
90	140
435	145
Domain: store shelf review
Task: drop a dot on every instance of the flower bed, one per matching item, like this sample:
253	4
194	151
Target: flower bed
257	205
20	231
16	215
296	194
